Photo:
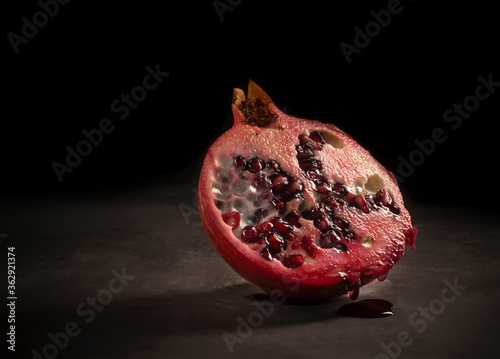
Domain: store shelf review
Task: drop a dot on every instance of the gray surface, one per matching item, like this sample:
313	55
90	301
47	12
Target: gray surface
184	297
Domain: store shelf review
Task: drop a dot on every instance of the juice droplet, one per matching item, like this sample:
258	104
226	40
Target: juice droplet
368	308
353	293
382	277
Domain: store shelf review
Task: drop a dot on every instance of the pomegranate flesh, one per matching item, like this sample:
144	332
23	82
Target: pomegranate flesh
297	205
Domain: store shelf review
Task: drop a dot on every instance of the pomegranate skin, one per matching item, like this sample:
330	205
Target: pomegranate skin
381	234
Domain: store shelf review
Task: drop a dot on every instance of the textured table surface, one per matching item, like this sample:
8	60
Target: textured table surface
128	275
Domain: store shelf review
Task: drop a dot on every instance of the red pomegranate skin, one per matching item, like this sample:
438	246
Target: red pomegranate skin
261	130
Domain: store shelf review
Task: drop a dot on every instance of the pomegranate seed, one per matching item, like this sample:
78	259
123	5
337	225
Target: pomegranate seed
232	219
323	187
250	234
302	140
309	246
349	196
293	260
308	142
294	186
340	189
333	202
278	203
382	197
303	152
317	137
310	164
265	228
307	215
293	218
341	247
329	239
275	242
268	254
256	164
341	223
279	182
275	166
261	181
322	224
360	202
350	236
321	210
282	228
240	162
314	175
394	208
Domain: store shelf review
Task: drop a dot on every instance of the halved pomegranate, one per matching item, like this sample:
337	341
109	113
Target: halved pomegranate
298	205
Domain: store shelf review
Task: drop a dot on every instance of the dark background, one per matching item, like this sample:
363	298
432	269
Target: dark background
392	93
120	206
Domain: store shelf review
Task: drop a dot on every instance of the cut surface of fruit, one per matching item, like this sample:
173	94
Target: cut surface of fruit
297	205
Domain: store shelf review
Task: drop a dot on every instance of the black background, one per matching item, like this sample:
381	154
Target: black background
393	92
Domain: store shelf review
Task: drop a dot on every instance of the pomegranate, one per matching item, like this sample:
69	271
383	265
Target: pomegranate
298	206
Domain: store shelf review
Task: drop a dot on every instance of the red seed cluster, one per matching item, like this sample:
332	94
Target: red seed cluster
335	231
279	187
283	186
